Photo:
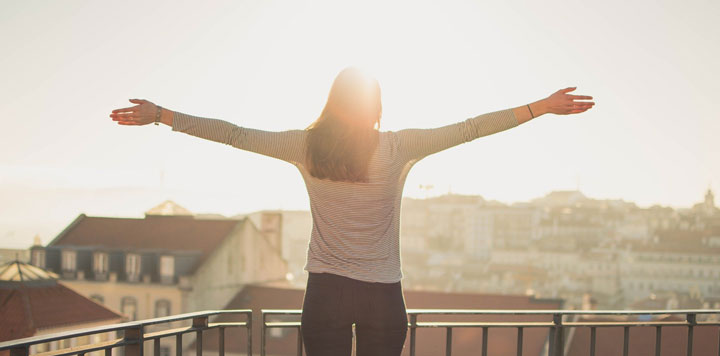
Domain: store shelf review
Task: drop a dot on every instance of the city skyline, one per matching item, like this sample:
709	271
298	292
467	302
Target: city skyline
19	236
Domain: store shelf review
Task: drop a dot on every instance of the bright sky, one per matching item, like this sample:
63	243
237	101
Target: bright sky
650	65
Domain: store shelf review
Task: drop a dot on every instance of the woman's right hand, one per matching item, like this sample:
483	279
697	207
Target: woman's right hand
562	103
142	114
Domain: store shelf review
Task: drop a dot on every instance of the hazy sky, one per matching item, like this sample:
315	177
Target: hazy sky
651	138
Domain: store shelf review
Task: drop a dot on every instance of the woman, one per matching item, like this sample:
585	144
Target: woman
354	176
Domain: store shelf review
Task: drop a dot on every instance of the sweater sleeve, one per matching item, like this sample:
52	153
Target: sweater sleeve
415	144
284	145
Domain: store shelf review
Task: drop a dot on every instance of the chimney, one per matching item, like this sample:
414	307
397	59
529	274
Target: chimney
271	226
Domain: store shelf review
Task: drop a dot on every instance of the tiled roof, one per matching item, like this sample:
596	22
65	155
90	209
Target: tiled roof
26	306
161	233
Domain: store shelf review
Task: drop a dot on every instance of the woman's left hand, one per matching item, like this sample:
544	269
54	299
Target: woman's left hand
142	114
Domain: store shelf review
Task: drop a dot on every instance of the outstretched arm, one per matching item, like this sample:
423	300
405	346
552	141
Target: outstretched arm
415	144
284	145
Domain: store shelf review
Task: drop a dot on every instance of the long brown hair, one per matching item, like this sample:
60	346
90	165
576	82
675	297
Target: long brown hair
342	140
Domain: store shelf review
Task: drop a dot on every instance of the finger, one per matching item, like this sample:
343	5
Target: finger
129	123
566	90
128	109
123	115
580	97
138	101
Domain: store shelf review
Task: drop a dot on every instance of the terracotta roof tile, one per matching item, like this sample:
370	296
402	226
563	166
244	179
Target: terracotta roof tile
174	233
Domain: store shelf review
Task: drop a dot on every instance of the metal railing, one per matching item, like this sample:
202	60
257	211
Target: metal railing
134	335
556	325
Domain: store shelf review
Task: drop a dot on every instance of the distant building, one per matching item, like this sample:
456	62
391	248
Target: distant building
12	254
290	230
161	264
33	302
564	198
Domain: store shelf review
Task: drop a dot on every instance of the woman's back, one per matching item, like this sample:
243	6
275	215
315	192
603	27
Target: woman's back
356	226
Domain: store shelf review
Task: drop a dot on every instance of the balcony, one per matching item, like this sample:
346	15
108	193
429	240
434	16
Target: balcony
561	332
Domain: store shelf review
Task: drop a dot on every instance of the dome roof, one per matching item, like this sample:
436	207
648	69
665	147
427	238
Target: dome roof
16	272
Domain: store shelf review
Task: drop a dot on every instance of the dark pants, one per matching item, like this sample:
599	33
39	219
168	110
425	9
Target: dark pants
333	303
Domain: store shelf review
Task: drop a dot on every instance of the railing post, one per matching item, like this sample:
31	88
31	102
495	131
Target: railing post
692	321
178	345
262	335
249	333
413	327
519	341
658	338
448	342
199	322
134	336
626	340
20	351
556	347
299	343
484	340
221	341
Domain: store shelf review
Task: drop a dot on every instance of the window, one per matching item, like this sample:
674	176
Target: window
132	267
98	298
69	260
128	307
100	263
38	258
162	308
164	351
167	266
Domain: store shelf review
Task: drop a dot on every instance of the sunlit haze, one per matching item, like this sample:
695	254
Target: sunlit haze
650	66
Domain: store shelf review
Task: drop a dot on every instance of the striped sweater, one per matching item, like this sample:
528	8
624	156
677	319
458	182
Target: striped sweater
356	226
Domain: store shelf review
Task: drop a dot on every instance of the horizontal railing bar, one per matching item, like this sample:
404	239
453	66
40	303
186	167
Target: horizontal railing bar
282	324
522	312
281	311
88	348
553	312
114	327
480	324
529	324
188	329
637	323
229	325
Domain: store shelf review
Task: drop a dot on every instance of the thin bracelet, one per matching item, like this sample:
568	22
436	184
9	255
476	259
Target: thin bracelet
158	114
531	113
